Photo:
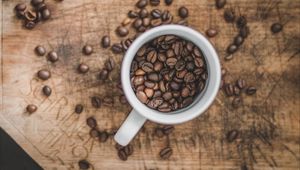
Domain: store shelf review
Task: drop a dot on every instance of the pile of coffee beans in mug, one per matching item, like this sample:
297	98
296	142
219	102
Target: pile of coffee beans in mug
168	73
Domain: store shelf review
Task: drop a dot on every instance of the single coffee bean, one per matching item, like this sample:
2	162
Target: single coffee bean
40	50
211	32
236	90
183	12
175	86
30	15
149	92
103	136
146	22
96	102
20	7
83	164
236	102
87	50
44	74
238	40
83	68
156	13
155	22
244	31
94	133
229	15
241	22
153	77
47	90
122	31
143	13
168	2
229	89
138	80
276	28
126	21
105	41
166	153
155	102
167	96
109	64
186	102
232	135
117	48
103	75
241	83
40	7
122	154
154	2
78	108
139	72
220	4
168	129
232	48
128	149
132	14
31	108
158	66
36	2
171	61
185	92
52	56
159	132
142	96
29	25
46	14
91	122
251	90
189	77
152	56
190	66
141	3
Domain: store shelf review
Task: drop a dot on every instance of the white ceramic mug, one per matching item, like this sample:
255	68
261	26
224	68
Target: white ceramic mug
141	112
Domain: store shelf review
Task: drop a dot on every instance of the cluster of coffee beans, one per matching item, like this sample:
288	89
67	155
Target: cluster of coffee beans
33	16
124	151
167	73
95	133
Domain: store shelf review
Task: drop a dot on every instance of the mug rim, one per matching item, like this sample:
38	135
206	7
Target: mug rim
212	83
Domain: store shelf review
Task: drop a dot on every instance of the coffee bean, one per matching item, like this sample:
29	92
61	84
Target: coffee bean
165	107
183	12
154	2
78	108
228	89
142	96
128	149
276	28
31	108
175	86
143	13
105	41
103	136
190	66
236	90
138	80
158	66
122	155
220	3
153	77
117	48
152	56
241	83
141	3
167	16
29	25
44	74
83	68
186	102
40	7
52	56
87	50
46	14
168	129
236	102
155	102
155	22
185	92
167	96
232	135
181	74
40	50
38	17
238	40
132	14
149	92
126	21
244	31
146	22
166	153
251	90
189	77
229	15
232	48
96	102
197	52
94	133
211	32
83	164
109	64
159	132
47	90
91	122
171	61
20	7
30	15
156	13
168	2
103	75
122	31
241	22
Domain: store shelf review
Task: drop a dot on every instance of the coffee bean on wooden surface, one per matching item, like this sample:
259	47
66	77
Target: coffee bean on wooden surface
236	102
47	90
142	3
166	153
232	135
128	149
83	68
236	90
168	129
20	7
96	102
238	40
244	31
276	28
103	136
31	108
29	25
105	41
211	32
126	21
232	48
251	90
36	2
154	2
143	13
44	74
78	108
220	3
168	2
156	13
229	15
183	12
103	74
40	50
117	48
159	132
94	133
52	56
46	14
38	17
87	50
240	83
122	31
241	22
30	15
228	89
122	154
91	122
40	7
132	14
109	64
83	164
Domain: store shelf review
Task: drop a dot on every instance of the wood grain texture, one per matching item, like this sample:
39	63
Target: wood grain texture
57	138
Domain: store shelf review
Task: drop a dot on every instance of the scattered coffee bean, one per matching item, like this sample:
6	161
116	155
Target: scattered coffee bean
46	14
241	22
220	3
155	22
236	102
276	28
44	74
211	32
78	108
94	133
168	129
126	21
20	7
122	31
241	83
87	50
31	108
103	136
29	25
236	90
47	90
229	89
91	122
142	3
52	56
109	64
166	153
146	22
132	14
36	2
30	15
122	154
183	12
168	2
96	102
83	164
244	31
105	41
251	90
156	13
229	15
232	48
232	135
154	2
117	48
238	40
40	50
83	68
103	74
143	13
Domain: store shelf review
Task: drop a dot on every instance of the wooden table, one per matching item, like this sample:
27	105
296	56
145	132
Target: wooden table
57	138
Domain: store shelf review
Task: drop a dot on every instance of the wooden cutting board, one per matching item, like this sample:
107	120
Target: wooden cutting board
268	122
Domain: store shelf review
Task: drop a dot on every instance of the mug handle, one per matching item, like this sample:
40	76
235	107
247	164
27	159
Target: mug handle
129	128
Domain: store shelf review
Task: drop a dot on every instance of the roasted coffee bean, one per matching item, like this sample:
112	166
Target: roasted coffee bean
232	48
183	12
138	80
40	50
236	102
143	13
29	25
158	66
122	154
229	15
126	21
83	68
30	15
52	56
142	96
180	65
171	61
103	75
251	90
87	50
157	93
153	77
154	2
137	23
185	92
220	4
166	153
117	48
244	31
44	74
155	22
31	108
276	28
232	135
159	132
142	3
186	102
132	14
128	149
155	102
110	64
38	17
83	164
94	133
78	108
147	67
46	14
47	90
211	32
20	7
167	96
40	7
175	86
181	74
189	77
149	92
238	40
146	22
152	56
236	90
36	2
156	13
241	22
105	41
91	122
168	2
168	129
141	29
96	102
122	31
228	89
103	136
241	83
